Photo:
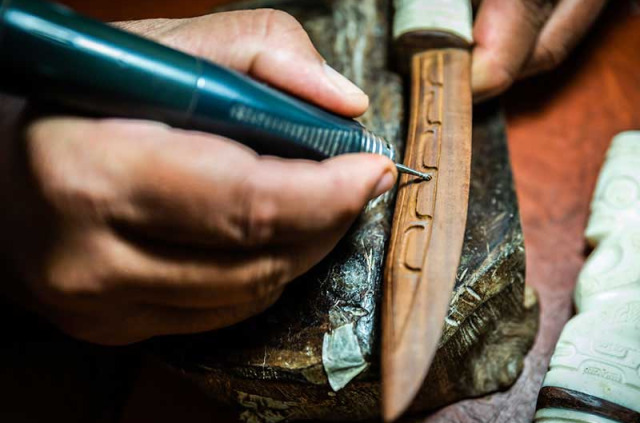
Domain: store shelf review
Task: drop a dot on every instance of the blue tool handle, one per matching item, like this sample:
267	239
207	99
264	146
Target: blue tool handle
52	54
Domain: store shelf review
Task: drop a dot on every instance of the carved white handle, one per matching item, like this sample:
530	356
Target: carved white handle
598	354
453	16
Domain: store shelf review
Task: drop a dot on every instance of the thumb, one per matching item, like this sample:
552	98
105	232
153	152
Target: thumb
505	34
269	45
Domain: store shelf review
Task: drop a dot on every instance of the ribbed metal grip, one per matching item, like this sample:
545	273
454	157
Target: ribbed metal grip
325	141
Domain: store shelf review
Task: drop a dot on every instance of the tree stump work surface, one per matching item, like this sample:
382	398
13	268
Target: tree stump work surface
315	354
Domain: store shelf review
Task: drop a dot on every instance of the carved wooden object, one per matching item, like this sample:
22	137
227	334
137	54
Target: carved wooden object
428	224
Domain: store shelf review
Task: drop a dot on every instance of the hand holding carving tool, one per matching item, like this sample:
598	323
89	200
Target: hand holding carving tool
49	53
430	216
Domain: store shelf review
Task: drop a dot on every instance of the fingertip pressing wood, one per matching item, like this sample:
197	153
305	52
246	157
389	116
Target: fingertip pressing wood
428	224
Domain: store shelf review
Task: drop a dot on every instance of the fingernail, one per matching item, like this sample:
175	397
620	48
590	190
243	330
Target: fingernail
479	80
485	81
481	89
341	83
384	184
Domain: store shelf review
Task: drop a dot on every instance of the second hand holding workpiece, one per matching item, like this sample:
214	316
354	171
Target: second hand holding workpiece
53	54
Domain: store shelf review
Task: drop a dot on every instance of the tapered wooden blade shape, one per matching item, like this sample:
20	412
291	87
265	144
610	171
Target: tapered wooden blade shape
428	225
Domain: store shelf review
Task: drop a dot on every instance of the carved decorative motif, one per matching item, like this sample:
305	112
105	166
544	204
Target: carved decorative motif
415	227
598	354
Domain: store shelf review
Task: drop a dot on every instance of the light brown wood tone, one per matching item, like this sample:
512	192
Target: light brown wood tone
428	224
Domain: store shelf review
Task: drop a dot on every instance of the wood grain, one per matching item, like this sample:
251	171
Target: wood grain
428	224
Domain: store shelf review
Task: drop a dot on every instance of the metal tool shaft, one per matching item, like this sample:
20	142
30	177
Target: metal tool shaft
404	169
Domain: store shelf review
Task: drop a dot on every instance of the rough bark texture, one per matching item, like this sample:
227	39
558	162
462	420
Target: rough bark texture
275	366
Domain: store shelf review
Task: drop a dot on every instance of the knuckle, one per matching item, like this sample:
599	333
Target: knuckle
50	288
537	11
533	16
259	214
62	182
275	23
551	55
78	199
62	283
80	275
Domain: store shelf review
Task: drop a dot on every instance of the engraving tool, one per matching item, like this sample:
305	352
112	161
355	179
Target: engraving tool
51	54
404	169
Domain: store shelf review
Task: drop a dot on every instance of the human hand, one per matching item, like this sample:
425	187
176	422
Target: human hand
123	230
518	38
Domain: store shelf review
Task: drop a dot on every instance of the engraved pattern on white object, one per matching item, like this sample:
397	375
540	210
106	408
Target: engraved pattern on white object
454	16
616	201
598	352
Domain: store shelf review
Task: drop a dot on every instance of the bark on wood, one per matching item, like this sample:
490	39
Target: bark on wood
272	366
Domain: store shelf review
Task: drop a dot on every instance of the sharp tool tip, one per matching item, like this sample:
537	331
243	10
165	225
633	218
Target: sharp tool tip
408	170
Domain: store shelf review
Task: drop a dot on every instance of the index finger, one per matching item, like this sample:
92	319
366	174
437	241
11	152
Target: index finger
205	189
570	21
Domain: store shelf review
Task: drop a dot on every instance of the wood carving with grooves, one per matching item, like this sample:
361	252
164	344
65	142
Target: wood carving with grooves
429	220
